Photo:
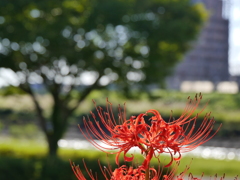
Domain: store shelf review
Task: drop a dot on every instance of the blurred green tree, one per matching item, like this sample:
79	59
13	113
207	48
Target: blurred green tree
89	44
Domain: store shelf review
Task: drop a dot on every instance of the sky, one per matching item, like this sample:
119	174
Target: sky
234	37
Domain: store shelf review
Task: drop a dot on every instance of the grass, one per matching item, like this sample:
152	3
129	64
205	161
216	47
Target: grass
224	107
26	149
22	147
210	167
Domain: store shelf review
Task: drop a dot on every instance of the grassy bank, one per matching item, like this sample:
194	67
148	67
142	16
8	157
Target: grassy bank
32	150
19	109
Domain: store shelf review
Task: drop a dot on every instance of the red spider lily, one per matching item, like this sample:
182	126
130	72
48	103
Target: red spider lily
138	173
121	173
177	136
125	173
159	137
122	137
78	173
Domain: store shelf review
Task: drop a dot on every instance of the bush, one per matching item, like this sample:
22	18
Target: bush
51	168
16	168
35	169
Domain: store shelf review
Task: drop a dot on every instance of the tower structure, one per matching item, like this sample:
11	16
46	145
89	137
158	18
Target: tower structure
208	59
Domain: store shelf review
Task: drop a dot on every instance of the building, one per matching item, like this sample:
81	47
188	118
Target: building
208	59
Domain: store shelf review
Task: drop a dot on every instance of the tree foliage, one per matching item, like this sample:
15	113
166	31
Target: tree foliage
91	44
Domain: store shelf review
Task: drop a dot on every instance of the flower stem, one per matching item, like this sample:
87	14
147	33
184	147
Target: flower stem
147	171
147	174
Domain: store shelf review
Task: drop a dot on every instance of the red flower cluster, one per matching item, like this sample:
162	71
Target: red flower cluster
152	137
130	173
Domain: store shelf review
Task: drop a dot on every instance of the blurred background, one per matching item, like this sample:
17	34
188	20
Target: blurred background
56	56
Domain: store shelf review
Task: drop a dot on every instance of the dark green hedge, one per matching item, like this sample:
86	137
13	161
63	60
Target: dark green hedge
12	168
54	168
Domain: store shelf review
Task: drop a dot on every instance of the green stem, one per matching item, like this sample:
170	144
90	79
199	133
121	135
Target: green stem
147	173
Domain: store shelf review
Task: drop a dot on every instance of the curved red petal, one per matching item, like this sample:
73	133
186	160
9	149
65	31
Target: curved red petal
128	158
117	158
